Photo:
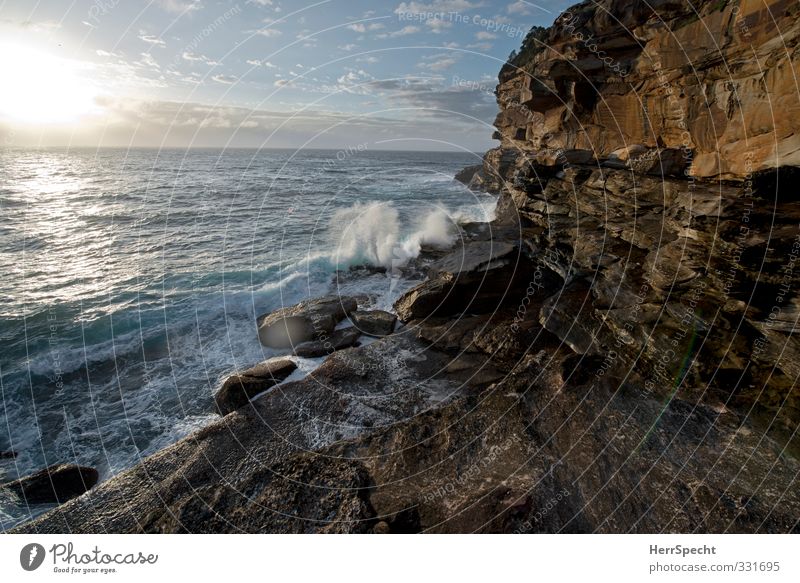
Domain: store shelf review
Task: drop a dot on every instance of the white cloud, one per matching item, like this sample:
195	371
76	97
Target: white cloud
438	62
260	63
150	39
437	25
436	6
406	30
480	46
45	26
148	61
348	47
357	26
225	79
375	26
178	6
195	58
484	35
281	83
269	32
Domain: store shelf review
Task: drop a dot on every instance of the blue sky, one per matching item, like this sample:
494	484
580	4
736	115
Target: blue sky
269	73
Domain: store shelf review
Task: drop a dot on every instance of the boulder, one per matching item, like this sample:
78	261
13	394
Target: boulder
238	389
338	339
7	455
374	322
466	175
303	322
54	484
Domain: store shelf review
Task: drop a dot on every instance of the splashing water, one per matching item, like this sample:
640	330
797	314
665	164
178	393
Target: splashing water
371	233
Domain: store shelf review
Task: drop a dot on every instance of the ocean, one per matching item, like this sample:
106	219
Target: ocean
131	279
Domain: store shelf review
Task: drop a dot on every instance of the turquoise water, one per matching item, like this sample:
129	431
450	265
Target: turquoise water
131	279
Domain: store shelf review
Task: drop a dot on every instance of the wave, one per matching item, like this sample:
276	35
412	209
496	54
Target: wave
371	234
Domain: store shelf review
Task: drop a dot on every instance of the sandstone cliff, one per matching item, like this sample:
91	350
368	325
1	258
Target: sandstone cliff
709	87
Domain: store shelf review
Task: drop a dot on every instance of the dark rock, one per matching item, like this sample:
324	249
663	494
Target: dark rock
7	455
337	340
237	390
381	528
374	323
54	484
466	175
303	322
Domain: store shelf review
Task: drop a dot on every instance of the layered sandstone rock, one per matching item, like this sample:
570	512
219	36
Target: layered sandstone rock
710	86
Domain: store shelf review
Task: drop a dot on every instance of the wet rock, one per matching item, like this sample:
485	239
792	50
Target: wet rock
477	277
374	323
238	389
54	484
7	455
337	340
303	322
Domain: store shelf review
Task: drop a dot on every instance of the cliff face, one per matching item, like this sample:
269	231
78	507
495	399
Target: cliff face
618	125
615	353
709	87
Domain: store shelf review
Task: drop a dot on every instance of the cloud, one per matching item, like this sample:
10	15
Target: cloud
261	63
348	47
438	25
179	6
522	7
127	122
406	30
150	39
45	26
225	79
436	6
438	98
357	27
147	60
195	58
376	26
480	46
483	35
281	83
440	64
269	32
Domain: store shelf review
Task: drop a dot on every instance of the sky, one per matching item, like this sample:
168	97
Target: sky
257	73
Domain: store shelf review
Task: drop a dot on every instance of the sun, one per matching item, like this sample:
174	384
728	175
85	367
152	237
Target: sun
42	88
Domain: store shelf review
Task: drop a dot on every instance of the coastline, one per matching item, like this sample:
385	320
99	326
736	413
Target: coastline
614	353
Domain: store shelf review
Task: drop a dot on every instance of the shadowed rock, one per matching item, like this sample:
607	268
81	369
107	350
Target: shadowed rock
338	339
467	175
54	484
305	321
374	323
238	389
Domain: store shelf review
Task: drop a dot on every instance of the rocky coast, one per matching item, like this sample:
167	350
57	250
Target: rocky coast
615	353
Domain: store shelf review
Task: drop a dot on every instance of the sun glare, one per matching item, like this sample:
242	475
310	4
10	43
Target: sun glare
41	88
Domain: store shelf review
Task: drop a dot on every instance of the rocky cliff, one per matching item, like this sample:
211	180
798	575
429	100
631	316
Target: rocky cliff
669	87
615	353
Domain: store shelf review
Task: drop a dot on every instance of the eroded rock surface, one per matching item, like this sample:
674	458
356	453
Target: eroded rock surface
238	389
